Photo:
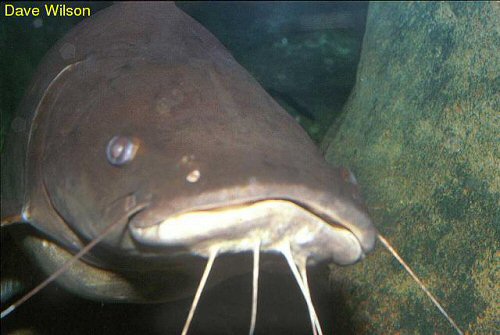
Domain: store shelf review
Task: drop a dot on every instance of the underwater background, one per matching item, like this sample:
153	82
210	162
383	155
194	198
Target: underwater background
418	122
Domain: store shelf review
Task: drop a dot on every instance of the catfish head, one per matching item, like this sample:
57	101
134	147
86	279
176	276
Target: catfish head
146	123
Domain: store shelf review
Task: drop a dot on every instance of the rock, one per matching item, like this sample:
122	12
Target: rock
421	132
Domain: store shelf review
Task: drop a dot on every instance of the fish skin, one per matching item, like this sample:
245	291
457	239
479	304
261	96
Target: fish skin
174	87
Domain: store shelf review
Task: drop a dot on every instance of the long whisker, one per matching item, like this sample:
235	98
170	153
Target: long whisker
70	262
255	283
419	282
285	250
201	285
303	272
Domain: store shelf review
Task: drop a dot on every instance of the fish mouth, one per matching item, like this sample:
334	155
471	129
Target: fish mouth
236	228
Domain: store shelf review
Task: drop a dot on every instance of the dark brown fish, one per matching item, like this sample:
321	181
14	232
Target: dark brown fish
140	118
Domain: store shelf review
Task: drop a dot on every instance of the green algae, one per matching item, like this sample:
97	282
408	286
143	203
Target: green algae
420	131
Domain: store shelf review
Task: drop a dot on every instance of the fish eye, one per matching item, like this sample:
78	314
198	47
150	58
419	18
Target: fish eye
121	150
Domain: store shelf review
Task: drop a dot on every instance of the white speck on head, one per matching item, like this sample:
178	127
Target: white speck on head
68	51
187	159
166	104
193	176
45	244
130	202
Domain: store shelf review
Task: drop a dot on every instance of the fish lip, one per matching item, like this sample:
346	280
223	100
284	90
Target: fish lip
365	238
137	220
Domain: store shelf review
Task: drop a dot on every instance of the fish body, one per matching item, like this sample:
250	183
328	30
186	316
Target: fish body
140	117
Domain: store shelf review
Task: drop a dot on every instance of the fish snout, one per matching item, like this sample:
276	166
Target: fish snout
366	233
272	223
